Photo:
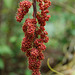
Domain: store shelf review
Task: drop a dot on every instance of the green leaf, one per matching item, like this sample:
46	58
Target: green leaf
5	50
1	64
27	72
13	39
8	3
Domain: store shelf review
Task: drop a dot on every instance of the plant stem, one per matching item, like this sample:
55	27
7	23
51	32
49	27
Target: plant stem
34	9
34	14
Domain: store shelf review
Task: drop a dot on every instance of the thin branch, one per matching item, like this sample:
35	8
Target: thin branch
34	8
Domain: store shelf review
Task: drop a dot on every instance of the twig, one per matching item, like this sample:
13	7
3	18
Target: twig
34	8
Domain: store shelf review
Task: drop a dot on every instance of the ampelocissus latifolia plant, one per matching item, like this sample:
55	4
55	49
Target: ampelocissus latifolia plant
35	36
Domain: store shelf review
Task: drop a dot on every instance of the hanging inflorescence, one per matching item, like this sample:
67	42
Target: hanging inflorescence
35	36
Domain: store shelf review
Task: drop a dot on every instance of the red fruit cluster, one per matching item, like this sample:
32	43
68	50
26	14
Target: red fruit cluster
29	30
43	17
35	37
23	10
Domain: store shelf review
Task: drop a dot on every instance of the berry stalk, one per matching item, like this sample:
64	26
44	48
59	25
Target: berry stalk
34	8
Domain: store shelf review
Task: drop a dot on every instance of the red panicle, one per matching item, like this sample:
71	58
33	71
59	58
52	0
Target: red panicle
35	37
23	10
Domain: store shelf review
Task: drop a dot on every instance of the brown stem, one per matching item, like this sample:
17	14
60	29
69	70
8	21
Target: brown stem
34	8
34	14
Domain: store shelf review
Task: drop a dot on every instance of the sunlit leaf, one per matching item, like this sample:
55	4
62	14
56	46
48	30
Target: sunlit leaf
8	3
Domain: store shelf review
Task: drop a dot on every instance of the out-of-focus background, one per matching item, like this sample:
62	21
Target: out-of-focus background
60	48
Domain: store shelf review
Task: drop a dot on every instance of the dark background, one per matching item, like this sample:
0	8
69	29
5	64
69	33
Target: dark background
60	48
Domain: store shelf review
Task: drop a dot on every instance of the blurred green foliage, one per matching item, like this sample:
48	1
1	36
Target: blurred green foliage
1	64
60	27
4	50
